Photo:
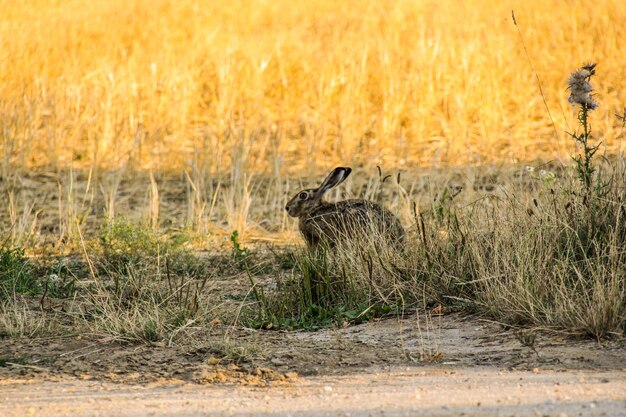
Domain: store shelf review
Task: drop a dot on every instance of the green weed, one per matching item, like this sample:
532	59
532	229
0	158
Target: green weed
325	289
16	275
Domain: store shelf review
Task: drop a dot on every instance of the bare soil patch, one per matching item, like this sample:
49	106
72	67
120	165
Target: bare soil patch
445	366
262	356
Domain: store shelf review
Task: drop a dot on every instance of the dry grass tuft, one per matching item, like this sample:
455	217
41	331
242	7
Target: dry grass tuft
294	86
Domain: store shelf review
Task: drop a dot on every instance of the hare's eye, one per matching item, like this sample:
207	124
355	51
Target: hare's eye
303	196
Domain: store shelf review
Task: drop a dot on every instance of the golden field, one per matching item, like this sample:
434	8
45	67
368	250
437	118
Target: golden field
299	86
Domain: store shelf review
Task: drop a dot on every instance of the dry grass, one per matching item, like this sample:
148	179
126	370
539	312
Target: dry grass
17	320
289	87
537	253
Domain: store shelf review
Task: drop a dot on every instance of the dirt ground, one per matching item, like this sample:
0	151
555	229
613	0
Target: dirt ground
443	365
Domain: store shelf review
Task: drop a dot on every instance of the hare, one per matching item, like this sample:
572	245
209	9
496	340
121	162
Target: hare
320	221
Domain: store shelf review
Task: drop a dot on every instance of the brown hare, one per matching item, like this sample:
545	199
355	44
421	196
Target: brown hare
320	221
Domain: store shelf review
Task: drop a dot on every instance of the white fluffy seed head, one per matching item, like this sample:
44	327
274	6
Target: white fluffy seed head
581	89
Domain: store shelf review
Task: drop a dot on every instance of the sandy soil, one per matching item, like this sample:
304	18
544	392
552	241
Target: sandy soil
440	391
446	365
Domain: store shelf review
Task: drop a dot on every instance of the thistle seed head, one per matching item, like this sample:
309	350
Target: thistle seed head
580	87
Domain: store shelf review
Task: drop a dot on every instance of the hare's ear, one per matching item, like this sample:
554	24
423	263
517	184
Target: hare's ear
336	177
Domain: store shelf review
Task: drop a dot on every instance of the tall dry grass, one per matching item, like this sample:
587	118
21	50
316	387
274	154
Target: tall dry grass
282	86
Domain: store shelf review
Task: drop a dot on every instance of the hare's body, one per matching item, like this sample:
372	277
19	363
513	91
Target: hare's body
320	221
350	219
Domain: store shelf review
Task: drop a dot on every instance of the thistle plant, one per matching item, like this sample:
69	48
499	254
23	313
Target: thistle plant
580	95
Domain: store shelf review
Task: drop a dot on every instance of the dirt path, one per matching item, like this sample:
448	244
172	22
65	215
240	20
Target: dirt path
430	391
443	366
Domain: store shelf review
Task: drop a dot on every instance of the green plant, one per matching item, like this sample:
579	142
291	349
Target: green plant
123	242
147	284
355	282
61	277
16	275
238	252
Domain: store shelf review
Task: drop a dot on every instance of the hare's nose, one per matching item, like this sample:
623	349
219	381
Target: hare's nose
286	208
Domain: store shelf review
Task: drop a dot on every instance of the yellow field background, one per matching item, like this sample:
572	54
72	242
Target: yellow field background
298	86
